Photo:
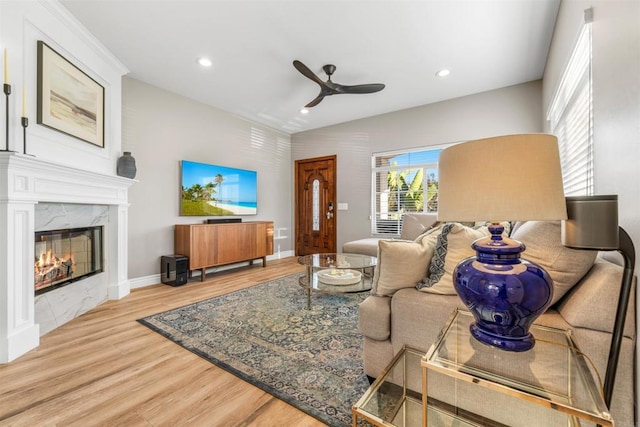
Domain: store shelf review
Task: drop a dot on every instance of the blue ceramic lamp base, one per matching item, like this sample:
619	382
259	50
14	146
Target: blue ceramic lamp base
504	293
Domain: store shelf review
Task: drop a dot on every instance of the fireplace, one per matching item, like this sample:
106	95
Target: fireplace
65	256
39	195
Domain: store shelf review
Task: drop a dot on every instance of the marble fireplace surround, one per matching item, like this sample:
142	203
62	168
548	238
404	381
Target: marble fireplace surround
57	306
25	182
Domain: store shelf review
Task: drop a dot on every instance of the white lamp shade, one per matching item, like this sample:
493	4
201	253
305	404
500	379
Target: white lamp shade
505	178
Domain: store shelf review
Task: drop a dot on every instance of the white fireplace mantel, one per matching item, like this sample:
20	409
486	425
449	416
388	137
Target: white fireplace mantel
24	182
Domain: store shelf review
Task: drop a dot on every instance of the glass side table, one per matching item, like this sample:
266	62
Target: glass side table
394	398
467	382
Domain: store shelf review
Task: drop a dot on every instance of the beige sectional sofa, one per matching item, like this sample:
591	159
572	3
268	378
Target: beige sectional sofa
398	313
413	225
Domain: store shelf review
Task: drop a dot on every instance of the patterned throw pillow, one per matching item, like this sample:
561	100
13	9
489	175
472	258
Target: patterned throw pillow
451	245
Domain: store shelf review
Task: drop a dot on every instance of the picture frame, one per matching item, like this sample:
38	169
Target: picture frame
69	101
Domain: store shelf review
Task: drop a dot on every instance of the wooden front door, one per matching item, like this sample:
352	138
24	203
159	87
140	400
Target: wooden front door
316	205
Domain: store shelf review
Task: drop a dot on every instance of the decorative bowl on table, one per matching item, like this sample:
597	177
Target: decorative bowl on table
334	276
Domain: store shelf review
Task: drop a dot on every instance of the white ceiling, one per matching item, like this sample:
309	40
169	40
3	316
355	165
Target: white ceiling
486	44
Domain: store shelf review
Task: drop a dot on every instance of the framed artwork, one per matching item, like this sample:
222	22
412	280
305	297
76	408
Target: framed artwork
69	101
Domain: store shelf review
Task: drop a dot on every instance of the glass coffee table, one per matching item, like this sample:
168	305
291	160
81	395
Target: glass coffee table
336	273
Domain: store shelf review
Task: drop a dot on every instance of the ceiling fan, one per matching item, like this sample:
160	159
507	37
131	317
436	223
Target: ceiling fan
329	88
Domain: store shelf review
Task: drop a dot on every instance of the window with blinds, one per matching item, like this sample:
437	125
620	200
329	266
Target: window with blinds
403	182
571	117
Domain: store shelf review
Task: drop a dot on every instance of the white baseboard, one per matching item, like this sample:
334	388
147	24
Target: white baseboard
154	279
141	282
119	290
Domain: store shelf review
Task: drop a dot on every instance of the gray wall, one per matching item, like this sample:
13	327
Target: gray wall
616	96
160	129
515	109
616	100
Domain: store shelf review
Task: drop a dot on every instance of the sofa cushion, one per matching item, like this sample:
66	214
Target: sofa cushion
417	317
566	266
583	306
414	224
401	264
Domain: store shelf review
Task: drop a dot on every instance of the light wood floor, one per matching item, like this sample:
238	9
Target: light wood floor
104	368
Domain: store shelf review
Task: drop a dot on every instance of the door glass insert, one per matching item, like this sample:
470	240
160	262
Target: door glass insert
316	205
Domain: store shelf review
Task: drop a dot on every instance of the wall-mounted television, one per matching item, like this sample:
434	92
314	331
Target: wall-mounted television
211	190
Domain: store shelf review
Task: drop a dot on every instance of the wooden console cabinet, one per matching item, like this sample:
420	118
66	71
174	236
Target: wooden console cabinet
211	245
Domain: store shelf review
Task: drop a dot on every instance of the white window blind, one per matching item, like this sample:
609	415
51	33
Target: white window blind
402	181
571	117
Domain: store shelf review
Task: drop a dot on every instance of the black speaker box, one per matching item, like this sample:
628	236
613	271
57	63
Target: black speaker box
175	269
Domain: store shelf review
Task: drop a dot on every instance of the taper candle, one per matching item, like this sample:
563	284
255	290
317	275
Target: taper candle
6	68
24	100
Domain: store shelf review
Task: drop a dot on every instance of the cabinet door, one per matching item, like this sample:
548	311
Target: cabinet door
236	242
203	242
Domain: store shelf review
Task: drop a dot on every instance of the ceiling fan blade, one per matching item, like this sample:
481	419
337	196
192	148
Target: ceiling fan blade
366	88
329	88
305	71
315	102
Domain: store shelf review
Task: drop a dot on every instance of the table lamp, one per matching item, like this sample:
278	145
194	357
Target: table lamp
593	224
505	178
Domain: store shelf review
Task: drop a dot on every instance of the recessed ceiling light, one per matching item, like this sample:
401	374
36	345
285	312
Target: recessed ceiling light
443	73
304	111
205	62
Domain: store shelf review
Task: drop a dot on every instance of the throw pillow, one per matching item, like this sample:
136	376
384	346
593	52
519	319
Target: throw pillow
437	227
452	245
566	266
401	264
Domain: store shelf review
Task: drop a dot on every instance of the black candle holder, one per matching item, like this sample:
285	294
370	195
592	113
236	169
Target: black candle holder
7	92
25	123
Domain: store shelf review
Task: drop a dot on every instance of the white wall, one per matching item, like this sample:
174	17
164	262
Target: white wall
514	109
160	129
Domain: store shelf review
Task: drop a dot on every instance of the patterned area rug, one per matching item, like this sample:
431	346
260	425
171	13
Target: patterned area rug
311	359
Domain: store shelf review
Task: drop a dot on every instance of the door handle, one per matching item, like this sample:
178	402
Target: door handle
329	215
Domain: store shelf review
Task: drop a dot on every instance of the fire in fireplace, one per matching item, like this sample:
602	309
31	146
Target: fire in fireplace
64	256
